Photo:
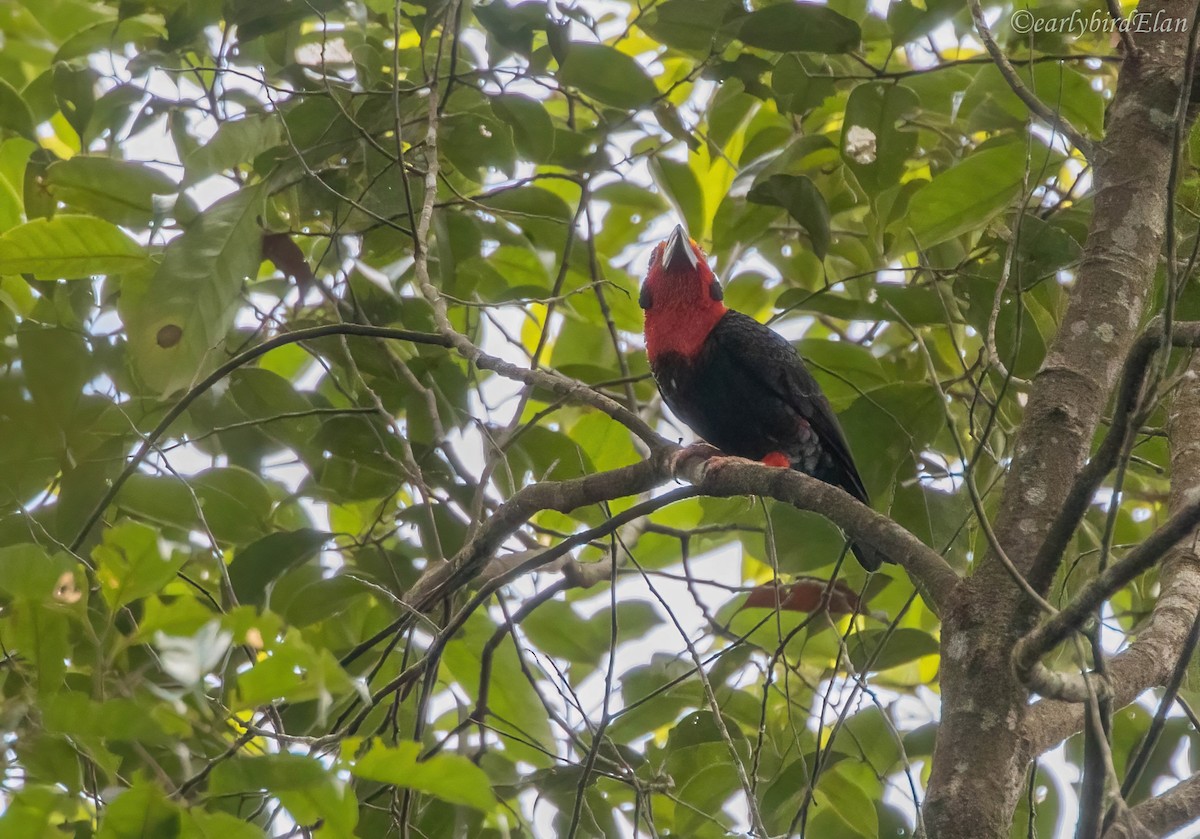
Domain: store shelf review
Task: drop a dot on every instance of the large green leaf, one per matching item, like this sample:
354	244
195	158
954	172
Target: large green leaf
686	24
873	146
308	791
14	113
68	247
142	810
804	203
607	74
682	187
257	565
970	194
799	27
118	190
177	316
129	564
449	777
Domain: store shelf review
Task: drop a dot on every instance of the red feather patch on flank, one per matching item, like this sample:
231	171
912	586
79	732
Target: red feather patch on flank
778	459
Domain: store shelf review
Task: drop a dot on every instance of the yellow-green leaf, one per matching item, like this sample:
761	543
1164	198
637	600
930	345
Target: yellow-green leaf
68	247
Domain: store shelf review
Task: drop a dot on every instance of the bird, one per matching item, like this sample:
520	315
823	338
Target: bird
738	384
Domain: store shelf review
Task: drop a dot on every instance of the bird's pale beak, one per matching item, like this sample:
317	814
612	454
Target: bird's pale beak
678	251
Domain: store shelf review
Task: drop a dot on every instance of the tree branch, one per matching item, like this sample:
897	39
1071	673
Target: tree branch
727	476
721	477
1129	392
240	360
1162	814
1036	106
1147	662
1030	649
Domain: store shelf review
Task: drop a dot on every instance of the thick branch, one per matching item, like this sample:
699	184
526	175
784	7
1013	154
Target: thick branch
1125	238
732	476
735	476
971	789
1159	816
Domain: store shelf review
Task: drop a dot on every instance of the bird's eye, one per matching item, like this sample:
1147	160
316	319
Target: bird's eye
644	297
715	290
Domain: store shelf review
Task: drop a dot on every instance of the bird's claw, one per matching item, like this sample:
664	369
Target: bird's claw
695	460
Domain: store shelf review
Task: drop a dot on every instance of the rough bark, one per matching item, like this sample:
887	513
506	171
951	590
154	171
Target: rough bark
980	758
1162	814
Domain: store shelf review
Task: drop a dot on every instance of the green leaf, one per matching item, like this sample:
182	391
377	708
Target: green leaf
57	365
607	74
968	195
118	190
840	794
686	24
1066	91
682	187
199	824
28	572
900	646
14	113
14	159
68	247
871	732
476	141
532	129
872	145
129	565
255	567
177	316
141	30
141	811
590	637
307	789
236	142
293	671
449	777
230	501
799	27
803	201
39	634
75	93
796	89
76	715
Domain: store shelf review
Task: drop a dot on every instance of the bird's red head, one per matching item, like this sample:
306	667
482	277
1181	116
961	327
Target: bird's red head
681	296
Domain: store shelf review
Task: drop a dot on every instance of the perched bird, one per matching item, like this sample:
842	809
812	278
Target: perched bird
737	383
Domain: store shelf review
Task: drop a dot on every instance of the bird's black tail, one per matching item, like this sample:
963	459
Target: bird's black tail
867	557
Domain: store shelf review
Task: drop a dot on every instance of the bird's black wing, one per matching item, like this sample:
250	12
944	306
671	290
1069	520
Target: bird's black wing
765	356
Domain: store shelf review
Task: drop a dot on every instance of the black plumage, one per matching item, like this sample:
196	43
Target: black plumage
748	393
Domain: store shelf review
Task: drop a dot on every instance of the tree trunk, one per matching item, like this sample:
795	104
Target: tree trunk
981	753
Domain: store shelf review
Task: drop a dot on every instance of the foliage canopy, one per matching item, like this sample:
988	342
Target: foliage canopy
181	180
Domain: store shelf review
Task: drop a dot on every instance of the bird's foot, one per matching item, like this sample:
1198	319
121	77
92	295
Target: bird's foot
693	462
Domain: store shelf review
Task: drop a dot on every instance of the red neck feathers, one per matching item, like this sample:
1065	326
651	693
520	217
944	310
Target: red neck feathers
682	298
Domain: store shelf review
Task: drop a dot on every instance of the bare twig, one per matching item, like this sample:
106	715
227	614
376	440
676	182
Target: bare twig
1036	106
